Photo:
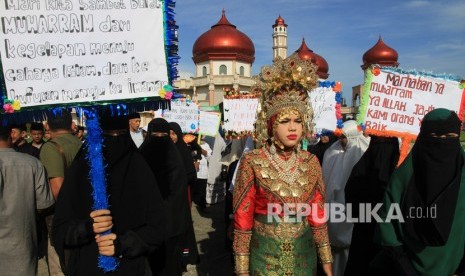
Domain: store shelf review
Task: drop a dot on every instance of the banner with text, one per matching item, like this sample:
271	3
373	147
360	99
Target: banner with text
209	123
62	52
239	115
322	100
185	113
396	102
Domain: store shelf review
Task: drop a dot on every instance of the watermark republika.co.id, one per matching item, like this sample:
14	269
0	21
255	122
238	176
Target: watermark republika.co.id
338	212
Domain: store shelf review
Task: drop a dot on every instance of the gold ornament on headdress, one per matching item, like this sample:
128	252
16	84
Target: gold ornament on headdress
282	86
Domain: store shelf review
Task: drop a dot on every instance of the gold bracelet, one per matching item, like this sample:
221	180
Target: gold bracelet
324	251
242	263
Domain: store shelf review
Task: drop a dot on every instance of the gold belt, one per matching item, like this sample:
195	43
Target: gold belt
281	230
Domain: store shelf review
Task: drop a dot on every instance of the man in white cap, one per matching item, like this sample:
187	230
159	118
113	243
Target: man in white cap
136	132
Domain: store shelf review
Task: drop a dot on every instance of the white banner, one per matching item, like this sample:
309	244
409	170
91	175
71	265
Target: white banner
185	113
398	102
61	52
240	114
323	102
209	123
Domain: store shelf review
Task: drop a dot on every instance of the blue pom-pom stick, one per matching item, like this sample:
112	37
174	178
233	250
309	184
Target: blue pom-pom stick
97	178
171	40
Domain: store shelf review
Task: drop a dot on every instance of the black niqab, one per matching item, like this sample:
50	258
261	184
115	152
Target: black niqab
186	154
370	176
437	169
167	166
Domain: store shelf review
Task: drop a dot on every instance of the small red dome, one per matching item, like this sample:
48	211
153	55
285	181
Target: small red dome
380	54
223	41
279	22
306	53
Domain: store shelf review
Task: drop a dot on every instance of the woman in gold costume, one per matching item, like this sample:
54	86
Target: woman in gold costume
275	233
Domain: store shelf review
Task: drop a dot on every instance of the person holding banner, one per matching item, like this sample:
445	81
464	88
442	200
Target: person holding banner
270	232
136	216
429	189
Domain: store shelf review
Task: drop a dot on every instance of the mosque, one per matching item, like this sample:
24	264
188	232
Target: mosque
223	58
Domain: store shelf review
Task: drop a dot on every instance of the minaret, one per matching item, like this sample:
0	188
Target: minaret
279	39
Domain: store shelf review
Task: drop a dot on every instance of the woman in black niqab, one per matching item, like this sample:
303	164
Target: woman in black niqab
367	184
437	169
186	154
191	254
135	205
166	164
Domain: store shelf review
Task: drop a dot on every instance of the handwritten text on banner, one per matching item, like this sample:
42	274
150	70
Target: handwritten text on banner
323	102
209	123
186	114
60	52
239	114
398	102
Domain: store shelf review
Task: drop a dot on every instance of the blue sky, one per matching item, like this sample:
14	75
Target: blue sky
428	35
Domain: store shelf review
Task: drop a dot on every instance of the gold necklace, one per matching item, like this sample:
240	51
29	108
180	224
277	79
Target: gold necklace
283	167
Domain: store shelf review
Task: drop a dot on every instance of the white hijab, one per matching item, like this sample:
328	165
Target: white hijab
337	166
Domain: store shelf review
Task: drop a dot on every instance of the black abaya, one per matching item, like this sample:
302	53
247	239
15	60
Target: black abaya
135	205
189	242
367	184
166	164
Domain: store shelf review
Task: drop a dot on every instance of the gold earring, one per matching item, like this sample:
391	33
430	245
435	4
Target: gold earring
272	147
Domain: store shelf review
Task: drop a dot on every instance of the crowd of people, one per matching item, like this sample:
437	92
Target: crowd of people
154	177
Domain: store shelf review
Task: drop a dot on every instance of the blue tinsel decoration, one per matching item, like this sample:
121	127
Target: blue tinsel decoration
2	86
97	178
26	116
171	39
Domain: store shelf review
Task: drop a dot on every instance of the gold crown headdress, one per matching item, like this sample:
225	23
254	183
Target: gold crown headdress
284	85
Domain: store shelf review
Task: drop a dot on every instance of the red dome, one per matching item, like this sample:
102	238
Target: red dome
380	54
323	67
307	54
223	41
279	22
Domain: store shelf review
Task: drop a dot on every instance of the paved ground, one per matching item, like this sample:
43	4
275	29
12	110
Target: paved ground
209	231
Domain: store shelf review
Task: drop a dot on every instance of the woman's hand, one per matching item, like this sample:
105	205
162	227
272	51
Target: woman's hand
328	269
106	244
102	221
